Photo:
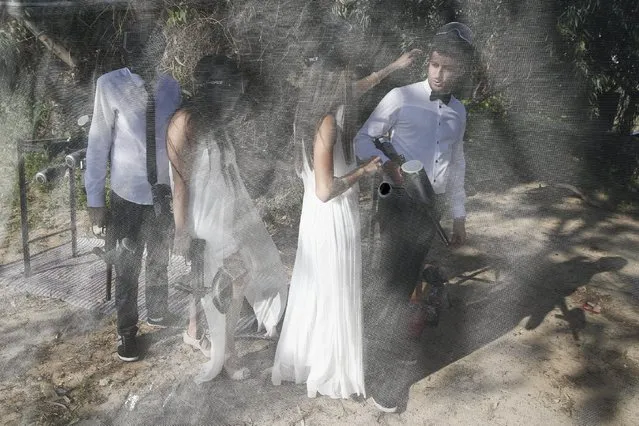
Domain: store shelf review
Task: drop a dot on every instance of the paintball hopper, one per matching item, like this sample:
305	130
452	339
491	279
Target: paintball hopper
50	174
416	184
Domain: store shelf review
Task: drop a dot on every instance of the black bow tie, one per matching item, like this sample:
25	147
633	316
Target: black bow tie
444	97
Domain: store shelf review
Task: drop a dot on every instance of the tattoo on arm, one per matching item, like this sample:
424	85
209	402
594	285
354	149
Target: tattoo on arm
339	186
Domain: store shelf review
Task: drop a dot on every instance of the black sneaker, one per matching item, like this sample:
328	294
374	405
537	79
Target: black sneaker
168	320
128	348
159	322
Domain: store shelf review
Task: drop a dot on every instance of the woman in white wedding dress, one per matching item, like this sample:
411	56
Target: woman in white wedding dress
212	206
321	339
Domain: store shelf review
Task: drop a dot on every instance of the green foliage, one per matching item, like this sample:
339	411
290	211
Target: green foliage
33	163
603	39
80	193
14	34
42	116
180	15
357	11
409	18
494	103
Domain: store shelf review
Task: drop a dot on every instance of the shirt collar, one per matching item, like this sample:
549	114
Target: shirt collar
137	80
429	90
427	87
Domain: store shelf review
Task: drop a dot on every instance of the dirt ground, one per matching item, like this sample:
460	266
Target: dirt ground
516	346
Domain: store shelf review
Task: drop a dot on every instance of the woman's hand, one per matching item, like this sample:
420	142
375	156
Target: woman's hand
365	84
372	166
406	59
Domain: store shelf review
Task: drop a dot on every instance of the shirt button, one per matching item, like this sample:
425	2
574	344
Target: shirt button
437	142
436	161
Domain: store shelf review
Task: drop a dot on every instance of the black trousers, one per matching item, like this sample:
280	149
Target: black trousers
406	237
138	223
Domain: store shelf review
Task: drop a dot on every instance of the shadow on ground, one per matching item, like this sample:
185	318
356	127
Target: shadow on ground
557	256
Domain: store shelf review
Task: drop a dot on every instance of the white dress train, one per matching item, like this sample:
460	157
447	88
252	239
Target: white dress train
222	213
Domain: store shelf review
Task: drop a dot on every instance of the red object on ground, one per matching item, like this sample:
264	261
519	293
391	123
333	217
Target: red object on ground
591	307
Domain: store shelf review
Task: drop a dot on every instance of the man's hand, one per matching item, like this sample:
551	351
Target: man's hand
459	232
97	216
181	243
392	170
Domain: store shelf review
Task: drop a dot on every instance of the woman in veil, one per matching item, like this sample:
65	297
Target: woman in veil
213	212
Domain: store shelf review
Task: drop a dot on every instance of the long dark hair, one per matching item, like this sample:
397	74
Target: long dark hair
217	100
324	89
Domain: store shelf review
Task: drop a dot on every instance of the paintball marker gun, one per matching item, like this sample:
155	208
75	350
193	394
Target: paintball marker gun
57	146
221	288
115	256
416	184
385	145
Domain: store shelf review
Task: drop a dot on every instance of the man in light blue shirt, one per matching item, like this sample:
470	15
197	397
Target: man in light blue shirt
118	134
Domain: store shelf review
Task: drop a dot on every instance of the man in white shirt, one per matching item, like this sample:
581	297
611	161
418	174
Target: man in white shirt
426	123
118	134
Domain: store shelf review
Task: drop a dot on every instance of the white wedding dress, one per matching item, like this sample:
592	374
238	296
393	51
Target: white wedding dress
321	339
222	213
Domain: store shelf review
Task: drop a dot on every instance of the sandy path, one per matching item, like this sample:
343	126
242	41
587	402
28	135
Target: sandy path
514	350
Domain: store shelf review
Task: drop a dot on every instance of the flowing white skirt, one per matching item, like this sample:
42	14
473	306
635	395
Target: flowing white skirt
321	339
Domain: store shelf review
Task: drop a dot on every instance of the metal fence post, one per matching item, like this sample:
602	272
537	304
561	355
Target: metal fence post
24	219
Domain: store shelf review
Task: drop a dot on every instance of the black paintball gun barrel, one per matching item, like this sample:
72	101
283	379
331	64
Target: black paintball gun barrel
58	146
385	145
76	159
416	184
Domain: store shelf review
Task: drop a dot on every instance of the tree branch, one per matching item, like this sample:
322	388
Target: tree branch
51	44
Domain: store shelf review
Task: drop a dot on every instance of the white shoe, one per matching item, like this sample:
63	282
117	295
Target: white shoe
203	343
235	370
